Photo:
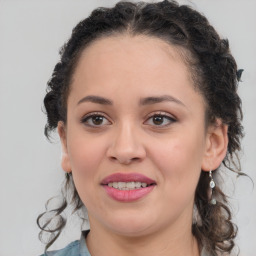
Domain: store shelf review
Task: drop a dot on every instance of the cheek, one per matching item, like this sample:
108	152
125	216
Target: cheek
85	156
179	161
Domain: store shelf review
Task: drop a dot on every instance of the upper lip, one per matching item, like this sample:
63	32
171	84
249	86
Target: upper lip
127	177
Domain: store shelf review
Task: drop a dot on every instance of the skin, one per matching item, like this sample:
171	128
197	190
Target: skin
125	70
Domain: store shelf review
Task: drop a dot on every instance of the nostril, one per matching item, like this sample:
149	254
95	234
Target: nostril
135	158
124	160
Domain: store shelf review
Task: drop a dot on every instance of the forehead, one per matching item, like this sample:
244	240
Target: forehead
128	44
126	69
126	49
132	57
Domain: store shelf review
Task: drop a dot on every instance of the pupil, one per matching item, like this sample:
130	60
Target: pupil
158	120
97	120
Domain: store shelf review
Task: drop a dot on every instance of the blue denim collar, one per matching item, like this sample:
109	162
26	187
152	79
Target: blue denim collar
83	250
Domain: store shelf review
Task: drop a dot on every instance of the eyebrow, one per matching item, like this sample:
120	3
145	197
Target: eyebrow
95	99
144	101
159	99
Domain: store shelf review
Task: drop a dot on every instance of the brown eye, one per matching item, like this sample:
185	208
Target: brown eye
95	120
160	120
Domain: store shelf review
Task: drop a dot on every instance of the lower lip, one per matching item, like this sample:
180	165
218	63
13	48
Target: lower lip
128	195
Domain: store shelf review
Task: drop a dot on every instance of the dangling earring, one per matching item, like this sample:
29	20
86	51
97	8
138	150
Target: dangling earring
212	185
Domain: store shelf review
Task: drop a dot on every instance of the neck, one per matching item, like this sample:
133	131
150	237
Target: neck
176	242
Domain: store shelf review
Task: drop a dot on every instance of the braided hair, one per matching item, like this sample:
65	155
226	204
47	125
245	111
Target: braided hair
215	76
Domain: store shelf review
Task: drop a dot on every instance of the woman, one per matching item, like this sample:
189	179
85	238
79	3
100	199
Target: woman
145	102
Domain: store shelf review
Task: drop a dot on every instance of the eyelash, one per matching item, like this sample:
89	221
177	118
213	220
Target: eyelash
164	115
89	116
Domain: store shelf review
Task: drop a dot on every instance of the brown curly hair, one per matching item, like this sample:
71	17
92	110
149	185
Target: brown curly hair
215	76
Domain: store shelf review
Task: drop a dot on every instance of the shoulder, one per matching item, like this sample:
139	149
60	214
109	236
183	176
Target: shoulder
71	249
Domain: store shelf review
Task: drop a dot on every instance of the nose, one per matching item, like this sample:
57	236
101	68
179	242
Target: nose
126	146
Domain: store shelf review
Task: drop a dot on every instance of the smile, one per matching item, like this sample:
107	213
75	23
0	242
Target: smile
127	187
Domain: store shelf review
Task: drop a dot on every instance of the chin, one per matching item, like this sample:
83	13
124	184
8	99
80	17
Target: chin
132	225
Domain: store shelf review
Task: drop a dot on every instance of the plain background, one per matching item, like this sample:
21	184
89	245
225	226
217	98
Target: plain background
31	33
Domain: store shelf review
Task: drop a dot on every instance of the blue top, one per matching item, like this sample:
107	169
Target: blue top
76	248
79	248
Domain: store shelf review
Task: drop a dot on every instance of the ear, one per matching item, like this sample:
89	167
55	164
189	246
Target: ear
216	146
65	162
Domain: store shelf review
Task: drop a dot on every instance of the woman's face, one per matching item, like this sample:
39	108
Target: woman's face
134	117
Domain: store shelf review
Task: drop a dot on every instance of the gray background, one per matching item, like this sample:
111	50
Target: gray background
31	33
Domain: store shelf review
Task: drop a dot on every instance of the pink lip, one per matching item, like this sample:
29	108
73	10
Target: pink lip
127	195
126	177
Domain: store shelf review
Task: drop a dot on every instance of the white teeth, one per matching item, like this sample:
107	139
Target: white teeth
137	184
130	185
143	185
120	185
127	185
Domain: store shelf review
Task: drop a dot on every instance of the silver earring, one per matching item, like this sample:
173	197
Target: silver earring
212	186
